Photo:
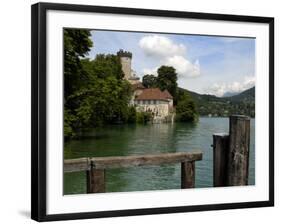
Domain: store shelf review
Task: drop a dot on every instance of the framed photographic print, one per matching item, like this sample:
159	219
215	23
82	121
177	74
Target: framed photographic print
139	111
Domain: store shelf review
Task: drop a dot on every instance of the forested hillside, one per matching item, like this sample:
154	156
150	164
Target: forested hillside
210	105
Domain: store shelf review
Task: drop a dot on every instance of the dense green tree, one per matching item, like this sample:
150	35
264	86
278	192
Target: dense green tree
143	117
76	46
186	109
107	65
95	92
104	99
149	81
167	79
132	114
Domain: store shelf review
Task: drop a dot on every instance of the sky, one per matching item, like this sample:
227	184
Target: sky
205	64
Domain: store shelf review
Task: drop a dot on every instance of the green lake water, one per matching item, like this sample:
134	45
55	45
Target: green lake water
123	140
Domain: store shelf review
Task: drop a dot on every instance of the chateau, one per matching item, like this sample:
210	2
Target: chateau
153	100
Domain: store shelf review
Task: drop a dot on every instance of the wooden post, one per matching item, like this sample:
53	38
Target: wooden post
239	145
220	154
188	174
95	180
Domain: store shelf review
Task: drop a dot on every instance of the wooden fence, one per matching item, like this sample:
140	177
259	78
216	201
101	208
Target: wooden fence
96	166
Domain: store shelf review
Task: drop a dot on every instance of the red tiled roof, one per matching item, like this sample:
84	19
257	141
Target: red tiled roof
154	94
168	95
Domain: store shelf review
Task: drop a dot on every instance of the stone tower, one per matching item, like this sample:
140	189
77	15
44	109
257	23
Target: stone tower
125	59
126	62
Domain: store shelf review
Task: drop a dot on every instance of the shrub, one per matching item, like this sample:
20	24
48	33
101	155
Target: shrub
143	117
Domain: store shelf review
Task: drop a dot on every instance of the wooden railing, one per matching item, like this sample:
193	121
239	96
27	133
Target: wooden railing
96	166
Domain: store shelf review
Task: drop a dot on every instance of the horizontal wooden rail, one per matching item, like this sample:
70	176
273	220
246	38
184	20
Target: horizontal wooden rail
82	164
95	167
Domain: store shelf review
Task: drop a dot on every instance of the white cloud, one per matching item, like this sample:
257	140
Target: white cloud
168	53
183	67
249	81
160	46
219	89
152	71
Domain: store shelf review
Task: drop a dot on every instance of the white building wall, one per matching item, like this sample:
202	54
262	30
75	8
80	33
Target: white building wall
159	109
170	103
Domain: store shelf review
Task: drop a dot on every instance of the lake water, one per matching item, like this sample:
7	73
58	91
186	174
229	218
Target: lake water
123	140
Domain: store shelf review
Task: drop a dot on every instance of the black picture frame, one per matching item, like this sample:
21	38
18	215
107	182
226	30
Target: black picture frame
39	122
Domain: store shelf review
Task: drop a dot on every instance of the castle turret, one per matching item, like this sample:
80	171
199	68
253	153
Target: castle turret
126	62
125	59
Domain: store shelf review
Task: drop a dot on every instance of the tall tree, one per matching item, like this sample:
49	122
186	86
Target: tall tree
167	79
77	44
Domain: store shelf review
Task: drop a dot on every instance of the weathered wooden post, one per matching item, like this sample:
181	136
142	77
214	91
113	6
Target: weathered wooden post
220	154
238	155
188	174
95	180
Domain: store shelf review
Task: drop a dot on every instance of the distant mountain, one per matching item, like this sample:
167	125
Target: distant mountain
228	94
201	97
210	105
247	95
